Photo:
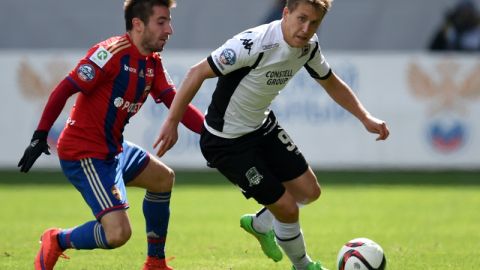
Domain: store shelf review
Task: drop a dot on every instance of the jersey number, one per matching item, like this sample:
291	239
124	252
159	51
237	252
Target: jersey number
285	139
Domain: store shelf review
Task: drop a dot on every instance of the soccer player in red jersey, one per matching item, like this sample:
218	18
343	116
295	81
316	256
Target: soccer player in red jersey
113	81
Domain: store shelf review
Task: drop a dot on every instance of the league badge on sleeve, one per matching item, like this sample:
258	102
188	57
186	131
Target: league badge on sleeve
228	57
100	57
86	72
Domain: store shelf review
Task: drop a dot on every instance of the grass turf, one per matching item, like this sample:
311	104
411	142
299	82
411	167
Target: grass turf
423	220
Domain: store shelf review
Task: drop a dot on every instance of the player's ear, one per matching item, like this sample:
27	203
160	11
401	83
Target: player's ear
285	12
137	25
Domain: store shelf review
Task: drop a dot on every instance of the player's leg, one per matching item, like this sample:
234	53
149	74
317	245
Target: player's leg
145	171
106	197
112	231
301	187
238	161
288	232
262	221
155	177
305	189
255	180
287	229
102	187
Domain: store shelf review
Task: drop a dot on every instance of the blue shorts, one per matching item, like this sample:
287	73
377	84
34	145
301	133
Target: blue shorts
102	182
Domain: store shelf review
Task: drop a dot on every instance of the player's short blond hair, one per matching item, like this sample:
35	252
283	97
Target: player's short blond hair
318	4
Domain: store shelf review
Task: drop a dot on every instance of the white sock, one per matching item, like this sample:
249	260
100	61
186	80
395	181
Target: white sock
290	238
262	221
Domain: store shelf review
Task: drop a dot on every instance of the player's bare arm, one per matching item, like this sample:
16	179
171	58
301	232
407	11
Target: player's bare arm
341	93
191	84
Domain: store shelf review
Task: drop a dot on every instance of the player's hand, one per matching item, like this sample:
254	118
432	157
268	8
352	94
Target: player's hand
167	138
377	126
37	146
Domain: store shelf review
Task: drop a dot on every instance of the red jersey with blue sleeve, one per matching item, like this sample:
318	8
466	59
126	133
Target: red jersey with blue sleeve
114	80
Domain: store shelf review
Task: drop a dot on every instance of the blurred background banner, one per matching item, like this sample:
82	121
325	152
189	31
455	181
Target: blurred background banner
350	25
431	102
412	63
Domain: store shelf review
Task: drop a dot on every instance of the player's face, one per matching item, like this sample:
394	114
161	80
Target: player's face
299	25
158	29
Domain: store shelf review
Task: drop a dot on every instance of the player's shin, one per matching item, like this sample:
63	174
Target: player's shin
156	209
290	238
90	235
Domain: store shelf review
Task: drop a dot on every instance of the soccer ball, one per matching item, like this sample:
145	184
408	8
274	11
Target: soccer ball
361	254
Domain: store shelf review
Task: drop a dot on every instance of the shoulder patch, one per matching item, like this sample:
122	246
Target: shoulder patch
86	72
100	57
228	57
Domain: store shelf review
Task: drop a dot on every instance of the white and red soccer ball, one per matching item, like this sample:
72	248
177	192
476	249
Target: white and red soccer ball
361	254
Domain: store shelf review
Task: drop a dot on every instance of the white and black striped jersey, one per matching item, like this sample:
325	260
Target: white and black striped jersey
253	67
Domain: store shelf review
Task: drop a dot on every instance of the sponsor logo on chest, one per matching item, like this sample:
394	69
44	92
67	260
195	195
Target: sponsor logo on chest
129	69
125	105
278	77
129	106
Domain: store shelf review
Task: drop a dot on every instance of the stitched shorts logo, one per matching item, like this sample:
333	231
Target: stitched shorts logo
116	193
253	176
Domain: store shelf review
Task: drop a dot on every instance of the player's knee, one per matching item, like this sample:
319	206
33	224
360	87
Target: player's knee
170	179
313	194
118	236
165	183
162	182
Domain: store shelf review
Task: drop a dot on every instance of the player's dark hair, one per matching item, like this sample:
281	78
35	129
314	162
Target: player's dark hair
142	9
318	4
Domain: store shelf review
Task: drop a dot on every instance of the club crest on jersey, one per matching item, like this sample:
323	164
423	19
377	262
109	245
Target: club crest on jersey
116	193
253	176
150	72
86	72
228	57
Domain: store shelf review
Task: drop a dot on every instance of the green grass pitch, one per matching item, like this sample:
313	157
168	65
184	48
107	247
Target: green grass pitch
423	220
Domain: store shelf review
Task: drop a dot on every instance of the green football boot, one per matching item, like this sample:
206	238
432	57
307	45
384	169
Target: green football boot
313	266
267	240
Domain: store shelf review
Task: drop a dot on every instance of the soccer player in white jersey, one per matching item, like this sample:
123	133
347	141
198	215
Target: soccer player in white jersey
241	136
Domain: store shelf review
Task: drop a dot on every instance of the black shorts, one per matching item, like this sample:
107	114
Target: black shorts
257	162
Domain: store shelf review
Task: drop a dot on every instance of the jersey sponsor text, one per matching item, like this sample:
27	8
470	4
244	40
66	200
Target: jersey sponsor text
278	77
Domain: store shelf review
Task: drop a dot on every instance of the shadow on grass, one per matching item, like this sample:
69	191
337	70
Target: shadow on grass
212	177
